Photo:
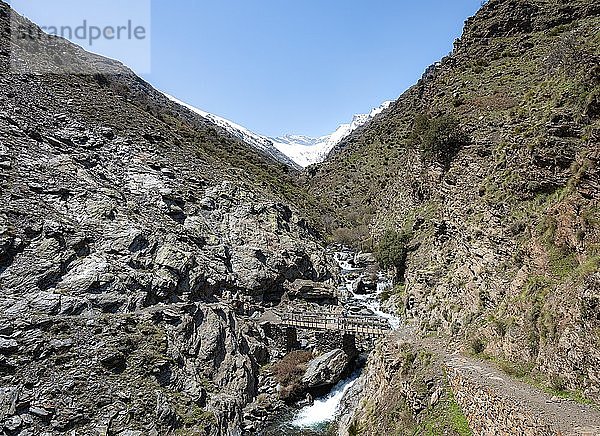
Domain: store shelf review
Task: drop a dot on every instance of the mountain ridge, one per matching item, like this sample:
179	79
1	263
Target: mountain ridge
306	150
261	143
296	151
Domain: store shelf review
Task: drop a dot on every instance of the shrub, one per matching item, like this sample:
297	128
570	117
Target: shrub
289	371
514	369
477	346
358	237
353	430
592	104
558	383
440	138
392	250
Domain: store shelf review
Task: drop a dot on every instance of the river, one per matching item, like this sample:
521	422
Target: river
318	418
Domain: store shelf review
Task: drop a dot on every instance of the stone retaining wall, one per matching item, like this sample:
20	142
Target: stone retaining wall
490	415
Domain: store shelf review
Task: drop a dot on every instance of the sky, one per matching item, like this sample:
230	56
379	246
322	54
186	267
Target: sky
281	66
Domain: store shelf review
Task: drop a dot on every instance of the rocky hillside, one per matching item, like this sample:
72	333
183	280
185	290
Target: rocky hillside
261	143
481	187
135	239
402	392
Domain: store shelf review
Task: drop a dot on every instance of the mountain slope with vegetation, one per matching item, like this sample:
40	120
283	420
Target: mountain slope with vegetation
481	188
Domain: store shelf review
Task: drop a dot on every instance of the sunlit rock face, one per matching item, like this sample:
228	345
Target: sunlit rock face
136	238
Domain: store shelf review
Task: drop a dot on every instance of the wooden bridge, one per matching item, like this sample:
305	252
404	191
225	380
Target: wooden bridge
346	324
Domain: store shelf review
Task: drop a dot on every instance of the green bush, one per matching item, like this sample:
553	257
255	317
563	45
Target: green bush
392	250
477	346
354	429
440	138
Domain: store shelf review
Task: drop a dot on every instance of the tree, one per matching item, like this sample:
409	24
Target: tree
440	138
392	250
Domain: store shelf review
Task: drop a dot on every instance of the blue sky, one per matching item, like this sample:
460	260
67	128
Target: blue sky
302	66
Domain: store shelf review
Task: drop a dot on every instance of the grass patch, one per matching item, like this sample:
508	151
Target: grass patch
576	396
587	268
444	418
517	370
536	289
562	263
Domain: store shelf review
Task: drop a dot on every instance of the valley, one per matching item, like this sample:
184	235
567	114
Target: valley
428	268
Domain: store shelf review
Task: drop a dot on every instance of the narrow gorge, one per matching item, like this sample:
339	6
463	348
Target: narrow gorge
437	274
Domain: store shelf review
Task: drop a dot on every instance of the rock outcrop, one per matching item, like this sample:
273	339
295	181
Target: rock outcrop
151	371
309	290
136	240
401	391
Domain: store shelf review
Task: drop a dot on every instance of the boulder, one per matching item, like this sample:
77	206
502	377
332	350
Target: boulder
45	302
8	346
325	370
113	360
13	423
364	259
311	291
364	286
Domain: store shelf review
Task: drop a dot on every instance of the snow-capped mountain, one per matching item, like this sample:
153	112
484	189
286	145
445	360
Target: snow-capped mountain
297	151
306	151
261	143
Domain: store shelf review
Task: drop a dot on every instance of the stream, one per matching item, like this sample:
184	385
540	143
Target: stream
318	417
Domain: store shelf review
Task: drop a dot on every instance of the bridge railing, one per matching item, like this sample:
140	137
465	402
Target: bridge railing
341	322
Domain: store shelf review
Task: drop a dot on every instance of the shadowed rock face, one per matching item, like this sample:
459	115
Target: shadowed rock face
135	238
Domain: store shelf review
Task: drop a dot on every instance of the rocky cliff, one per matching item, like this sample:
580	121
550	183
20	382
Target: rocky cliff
484	176
136	238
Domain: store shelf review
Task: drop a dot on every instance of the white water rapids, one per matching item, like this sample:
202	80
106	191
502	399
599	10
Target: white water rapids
373	301
326	409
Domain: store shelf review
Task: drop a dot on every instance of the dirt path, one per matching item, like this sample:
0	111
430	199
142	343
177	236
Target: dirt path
564	417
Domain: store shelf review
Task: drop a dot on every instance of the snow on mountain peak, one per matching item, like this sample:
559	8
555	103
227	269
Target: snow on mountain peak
261	143
293	150
305	150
